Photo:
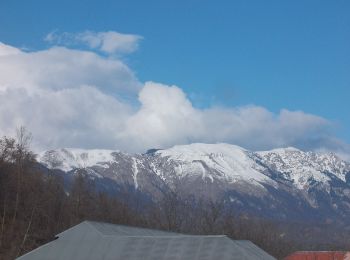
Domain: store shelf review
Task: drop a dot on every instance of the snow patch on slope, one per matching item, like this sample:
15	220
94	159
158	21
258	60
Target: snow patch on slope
135	171
230	162
67	159
304	167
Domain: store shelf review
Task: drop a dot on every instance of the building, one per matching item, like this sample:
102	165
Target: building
96	240
319	255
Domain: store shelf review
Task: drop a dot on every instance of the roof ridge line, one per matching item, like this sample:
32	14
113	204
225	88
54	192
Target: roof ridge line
176	235
127	226
98	231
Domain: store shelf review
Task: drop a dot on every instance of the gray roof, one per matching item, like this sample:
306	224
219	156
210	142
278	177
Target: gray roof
96	240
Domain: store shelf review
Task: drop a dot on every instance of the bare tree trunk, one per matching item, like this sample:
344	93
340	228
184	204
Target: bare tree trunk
23	141
17	193
3	223
26	233
60	218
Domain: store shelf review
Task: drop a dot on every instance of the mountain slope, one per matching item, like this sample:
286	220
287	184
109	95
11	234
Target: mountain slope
281	183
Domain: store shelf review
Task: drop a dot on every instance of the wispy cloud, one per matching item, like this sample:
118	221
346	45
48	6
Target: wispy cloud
73	98
108	42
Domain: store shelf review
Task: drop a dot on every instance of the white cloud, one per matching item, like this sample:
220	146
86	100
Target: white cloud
79	117
73	98
7	50
108	42
61	68
166	117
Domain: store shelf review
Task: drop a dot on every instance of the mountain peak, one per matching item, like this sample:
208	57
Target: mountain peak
67	159
289	149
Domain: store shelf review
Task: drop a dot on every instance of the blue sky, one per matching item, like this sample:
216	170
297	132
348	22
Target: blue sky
291	55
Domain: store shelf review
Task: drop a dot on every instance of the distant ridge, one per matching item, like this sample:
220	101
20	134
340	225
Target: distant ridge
282	183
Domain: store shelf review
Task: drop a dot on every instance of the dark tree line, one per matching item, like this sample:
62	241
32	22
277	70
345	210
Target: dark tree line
35	205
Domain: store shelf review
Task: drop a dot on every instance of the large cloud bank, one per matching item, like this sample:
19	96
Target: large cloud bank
73	98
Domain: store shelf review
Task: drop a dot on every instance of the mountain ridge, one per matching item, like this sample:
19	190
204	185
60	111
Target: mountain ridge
274	182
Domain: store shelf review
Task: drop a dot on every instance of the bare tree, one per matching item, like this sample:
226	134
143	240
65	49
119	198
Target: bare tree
21	156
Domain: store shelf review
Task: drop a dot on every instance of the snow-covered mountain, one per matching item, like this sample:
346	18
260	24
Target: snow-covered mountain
280	183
